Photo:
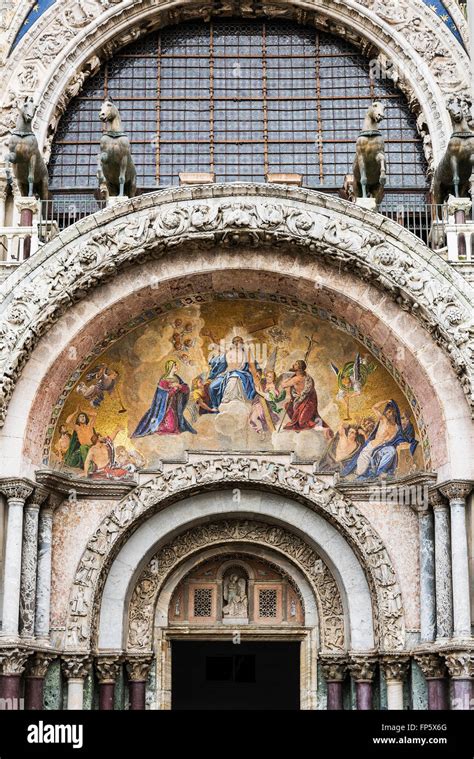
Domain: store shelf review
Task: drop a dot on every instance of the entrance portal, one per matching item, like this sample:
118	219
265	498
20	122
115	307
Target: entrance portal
251	675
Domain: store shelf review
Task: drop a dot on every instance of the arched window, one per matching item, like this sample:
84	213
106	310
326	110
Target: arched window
238	98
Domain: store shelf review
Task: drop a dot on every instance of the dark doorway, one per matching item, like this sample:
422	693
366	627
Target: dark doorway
214	675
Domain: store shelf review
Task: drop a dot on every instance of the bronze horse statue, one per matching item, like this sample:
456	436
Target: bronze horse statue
24	155
453	173
115	166
368	170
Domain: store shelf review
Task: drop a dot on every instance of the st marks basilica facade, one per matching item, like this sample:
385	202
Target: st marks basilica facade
236	355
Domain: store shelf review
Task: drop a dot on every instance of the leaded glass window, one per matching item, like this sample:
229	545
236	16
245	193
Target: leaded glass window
239	98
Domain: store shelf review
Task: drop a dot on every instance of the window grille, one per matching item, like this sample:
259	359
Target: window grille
202	602
267	603
239	98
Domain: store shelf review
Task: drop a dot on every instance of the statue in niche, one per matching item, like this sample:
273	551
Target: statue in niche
115	167
369	170
453	173
235	596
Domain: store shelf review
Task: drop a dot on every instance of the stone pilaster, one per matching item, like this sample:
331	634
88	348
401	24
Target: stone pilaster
107	670
16	493
460	665
75	668
457	492
435	673
29	563
34	679
43	583
362	669
138	668
444	599
12	666
395	668
334	670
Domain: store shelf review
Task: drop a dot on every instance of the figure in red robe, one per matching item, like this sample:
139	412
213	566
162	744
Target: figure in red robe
302	408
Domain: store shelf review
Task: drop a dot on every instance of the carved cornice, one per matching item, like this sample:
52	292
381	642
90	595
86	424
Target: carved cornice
39	663
362	667
94	250
63	485
334	668
16	489
395	667
76	666
456	490
150	582
432	665
13	661
107	668
138	668
247	472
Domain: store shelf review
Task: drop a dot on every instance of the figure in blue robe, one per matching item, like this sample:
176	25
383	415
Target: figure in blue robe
220	377
166	413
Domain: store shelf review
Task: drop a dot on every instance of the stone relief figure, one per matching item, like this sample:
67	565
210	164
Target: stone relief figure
235	595
453	174
24	155
369	168
115	166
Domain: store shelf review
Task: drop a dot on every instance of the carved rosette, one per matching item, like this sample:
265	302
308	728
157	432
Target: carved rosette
76	666
90	574
145	594
39	663
334	668
16	490
395	667
13	661
362	668
456	490
432	665
138	668
460	664
107	668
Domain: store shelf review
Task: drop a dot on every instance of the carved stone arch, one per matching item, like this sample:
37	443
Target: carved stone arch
77	37
246	532
226	472
307	222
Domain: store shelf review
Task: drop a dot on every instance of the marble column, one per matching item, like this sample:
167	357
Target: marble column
457	492
29	563
12	665
395	668
443	583
34	679
107	669
460	666
427	573
434	671
362	669
75	667
138	668
16	492
43	581
334	670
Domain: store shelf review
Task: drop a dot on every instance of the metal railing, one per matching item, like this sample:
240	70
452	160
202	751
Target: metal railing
427	221
62	212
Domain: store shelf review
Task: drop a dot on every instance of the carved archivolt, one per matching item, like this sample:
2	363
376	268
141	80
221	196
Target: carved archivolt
376	249
77	36
150	582
177	483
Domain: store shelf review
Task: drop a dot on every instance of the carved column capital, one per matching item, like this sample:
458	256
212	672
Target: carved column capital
27	204
138	667
395	667
39	663
16	489
432	665
37	498
460	664
76	666
362	668
334	668
13	661
437	500
107	668
456	490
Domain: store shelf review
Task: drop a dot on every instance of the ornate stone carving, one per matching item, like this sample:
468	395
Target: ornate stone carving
459	664
39	663
107	668
138	667
432	665
13	661
28	565
16	490
316	224
437	499
362	668
144	596
334	668
456	490
76	666
395	668
235	599
90	574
